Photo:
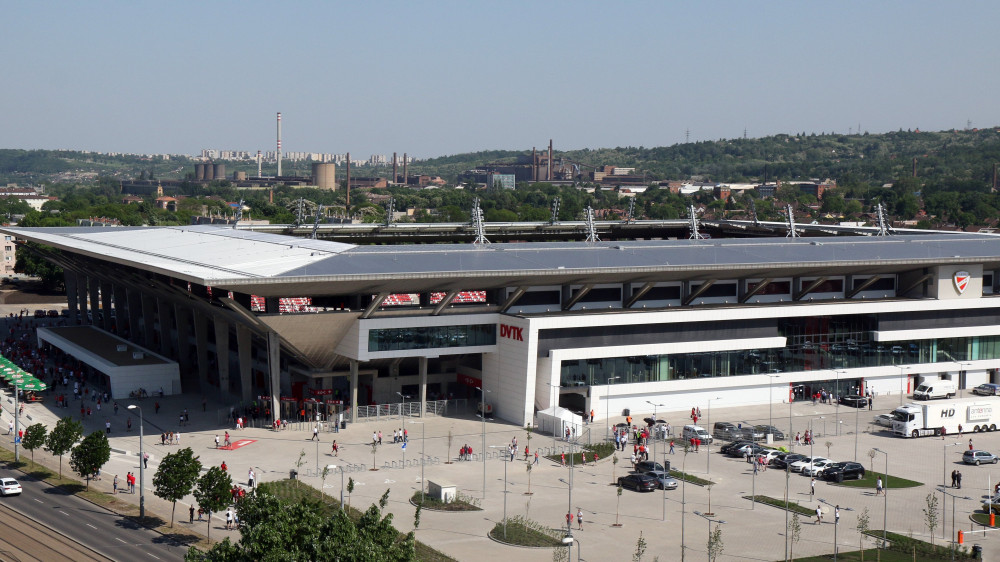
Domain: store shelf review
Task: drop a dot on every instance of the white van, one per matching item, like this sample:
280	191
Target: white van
935	389
692	431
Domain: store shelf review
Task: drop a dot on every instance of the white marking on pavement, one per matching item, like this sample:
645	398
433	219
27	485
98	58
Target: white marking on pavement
121	541
38	500
64	513
153	555
91	526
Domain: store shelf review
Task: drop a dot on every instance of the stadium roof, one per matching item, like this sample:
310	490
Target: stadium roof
278	265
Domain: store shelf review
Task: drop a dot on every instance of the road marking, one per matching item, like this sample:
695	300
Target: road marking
64	513
91	526
121	541
153	555
38	500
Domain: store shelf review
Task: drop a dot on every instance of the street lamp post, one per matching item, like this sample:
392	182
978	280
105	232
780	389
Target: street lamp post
953	497
885	496
683	497
708	444
837	400
335	467
482	414
403	406
651	436
770	399
607	407
505	461
142	471
902	389
423	440
961	377
857	413
944	470
836	525
710	521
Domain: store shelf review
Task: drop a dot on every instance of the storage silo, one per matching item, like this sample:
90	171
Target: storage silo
240	176
199	172
220	171
324	175
209	172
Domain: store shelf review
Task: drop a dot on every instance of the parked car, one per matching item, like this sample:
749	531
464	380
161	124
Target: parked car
39	313
663	480
650	466
53	313
816	468
840	471
752	448
885	420
9	487
770	454
988	389
787	459
725	431
806	461
638	482
854	400
775	432
978	457
725	449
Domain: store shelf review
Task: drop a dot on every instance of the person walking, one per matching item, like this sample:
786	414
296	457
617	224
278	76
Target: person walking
107	426
216	441
191	514
819	514
536	458
315	433
970	444
229	518
145	460
812	487
836	515
336	448
114	485
671	446
579	519
250	479
958	479
954	477
878	487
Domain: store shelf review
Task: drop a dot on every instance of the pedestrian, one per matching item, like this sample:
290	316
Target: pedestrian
114	485
592	416
633	460
954	478
755	466
671	446
380	437
798	437
812	486
145	460
870	402
336	448
970	444
536	457
128	423
958	480
563	457
836	515
959	430
229	518
191	514
116	408
579	517
250	479
819	514
107	426
200	513
878	486
227	443
10	427
156	407
374	438
224	467
315	433
216	441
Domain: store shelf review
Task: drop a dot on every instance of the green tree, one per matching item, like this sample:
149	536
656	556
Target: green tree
931	513
176	477
90	455
794	534
62	438
305	530
213	492
864	519
640	548
715	544
34	437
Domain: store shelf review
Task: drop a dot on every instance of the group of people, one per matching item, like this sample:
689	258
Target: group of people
465	453
129	483
171	438
806	439
956	478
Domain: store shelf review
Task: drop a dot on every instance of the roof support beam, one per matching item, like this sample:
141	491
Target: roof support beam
698	292
868	283
809	288
579	294
916	283
376	302
513	298
445	302
760	287
639	294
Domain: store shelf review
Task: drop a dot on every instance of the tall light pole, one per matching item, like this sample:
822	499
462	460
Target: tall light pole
505	461
836	525
423	440
857	413
17	425
770	398
651	437
607	407
961	377
708	444
902	389
953	497
403	405
335	467
683	497
885	495
944	481
837	400
788	472
482	414
710	521
142	490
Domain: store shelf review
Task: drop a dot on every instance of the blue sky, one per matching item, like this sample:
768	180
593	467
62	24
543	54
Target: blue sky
437	78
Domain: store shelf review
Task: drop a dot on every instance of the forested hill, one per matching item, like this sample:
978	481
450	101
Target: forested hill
950	159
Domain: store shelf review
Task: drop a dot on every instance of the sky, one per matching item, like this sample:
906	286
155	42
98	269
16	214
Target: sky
433	78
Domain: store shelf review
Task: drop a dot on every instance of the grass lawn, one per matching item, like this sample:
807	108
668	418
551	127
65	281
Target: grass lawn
918	549
870	556
689	478
602	450
983	519
459	504
794	507
869	482
525	532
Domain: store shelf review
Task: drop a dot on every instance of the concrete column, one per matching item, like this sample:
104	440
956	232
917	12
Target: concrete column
106	289
72	298
274	368
165	317
244	342
182	318
121	310
201	349
95	300
354	390
422	362
222	355
134	315
81	295
148	320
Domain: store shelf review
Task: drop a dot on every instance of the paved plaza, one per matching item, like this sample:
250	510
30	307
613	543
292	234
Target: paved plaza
750	533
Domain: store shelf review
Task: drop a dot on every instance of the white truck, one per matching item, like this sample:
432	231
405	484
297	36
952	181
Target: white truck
940	418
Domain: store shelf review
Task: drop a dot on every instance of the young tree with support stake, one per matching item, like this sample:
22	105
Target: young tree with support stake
176	477
34	437
90	455
62	437
214	492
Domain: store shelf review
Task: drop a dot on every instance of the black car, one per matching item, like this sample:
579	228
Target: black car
648	466
788	459
725	449
854	400
765	429
840	471
725	430
638	482
753	448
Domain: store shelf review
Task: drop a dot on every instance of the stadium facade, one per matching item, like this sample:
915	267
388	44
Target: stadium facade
330	326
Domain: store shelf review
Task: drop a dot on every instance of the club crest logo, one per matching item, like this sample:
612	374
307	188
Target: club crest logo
961	279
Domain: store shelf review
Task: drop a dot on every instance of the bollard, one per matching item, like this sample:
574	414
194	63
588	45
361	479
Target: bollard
993	519
961	537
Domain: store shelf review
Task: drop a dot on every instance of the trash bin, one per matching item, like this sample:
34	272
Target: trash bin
343	424
977	552
626	412
293	474
666	466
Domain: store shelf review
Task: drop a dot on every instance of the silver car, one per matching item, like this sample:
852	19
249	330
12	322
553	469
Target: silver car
663	480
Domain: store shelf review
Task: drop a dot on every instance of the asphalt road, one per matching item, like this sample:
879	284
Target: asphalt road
109	534
24	539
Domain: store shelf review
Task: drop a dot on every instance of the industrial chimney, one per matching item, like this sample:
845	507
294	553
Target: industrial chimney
279	144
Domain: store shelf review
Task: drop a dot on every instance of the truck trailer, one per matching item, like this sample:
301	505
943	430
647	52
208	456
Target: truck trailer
941	418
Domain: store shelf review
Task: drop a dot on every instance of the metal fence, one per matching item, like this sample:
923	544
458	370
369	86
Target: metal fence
411	409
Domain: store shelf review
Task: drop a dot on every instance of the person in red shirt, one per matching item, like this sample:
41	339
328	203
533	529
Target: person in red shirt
224	467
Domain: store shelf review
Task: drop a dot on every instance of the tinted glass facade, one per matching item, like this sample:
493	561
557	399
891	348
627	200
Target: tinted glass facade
431	337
